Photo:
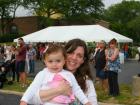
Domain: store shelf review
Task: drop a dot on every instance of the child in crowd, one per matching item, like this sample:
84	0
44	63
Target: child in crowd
50	77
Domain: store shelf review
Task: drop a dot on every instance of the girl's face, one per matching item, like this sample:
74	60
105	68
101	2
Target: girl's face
75	59
55	61
112	45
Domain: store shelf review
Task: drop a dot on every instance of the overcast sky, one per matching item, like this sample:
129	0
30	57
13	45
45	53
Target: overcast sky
108	3
23	12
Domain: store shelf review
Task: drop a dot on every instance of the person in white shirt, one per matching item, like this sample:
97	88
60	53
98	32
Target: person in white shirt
54	59
8	53
96	49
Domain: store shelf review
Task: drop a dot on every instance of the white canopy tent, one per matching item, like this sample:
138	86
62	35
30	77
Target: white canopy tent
88	33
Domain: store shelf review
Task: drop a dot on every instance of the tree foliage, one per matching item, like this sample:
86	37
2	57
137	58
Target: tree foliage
122	15
44	8
134	28
86	7
7	12
69	9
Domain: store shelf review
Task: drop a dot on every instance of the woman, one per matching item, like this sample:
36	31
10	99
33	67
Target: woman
13	62
113	67
31	57
77	63
100	64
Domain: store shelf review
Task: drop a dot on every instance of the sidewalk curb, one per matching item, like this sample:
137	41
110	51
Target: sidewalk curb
21	93
100	103
11	92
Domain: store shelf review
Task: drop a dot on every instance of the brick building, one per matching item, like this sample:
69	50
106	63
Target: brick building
27	25
23	25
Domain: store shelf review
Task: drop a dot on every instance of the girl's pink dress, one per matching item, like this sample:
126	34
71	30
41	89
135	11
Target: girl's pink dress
62	99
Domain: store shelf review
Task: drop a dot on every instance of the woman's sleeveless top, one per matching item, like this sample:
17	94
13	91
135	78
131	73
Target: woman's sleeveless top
113	65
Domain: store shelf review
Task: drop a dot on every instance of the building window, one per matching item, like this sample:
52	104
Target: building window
13	29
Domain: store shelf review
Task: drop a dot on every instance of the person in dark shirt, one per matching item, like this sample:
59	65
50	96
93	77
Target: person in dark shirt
100	65
20	61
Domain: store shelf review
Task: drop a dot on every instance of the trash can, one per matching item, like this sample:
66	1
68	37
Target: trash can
136	85
121	55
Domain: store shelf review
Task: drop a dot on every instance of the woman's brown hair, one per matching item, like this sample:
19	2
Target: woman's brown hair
114	41
83	72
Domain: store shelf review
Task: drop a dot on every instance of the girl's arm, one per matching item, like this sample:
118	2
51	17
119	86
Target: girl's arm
33	88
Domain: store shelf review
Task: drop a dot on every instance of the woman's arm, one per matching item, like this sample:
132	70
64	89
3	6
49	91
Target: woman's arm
106	54
114	55
78	92
46	95
23	103
62	89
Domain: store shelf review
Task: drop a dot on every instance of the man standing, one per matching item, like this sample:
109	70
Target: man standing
20	62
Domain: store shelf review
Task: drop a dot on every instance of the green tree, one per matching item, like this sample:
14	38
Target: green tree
83	10
69	9
7	12
134	28
45	8
121	14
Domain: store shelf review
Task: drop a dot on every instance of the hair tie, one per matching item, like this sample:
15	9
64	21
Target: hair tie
46	49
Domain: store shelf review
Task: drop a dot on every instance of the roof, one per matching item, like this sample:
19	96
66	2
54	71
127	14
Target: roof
88	33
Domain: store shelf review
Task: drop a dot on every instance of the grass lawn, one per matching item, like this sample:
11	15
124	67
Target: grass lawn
125	97
16	86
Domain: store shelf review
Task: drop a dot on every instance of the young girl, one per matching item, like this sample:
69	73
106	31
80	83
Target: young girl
54	59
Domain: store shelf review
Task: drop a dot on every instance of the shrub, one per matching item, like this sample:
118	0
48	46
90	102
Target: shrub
9	37
133	51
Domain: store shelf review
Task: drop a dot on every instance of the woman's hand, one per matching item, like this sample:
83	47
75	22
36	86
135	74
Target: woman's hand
88	103
16	52
65	88
23	103
105	68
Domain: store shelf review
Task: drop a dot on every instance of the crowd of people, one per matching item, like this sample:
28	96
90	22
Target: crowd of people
66	78
14	58
14	62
